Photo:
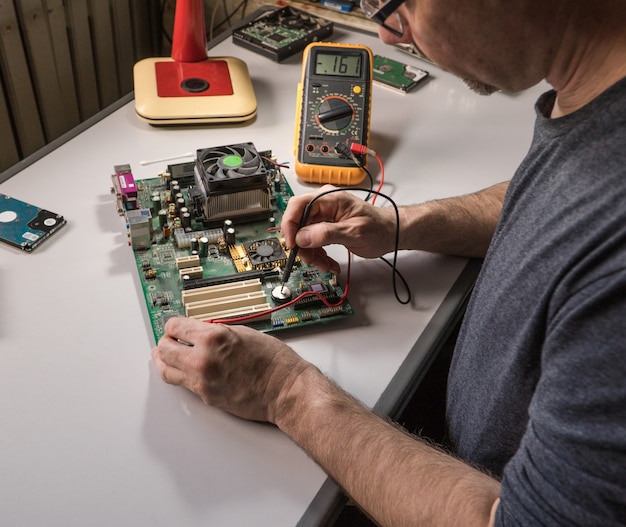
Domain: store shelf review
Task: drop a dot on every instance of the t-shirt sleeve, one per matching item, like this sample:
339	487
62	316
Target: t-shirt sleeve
570	468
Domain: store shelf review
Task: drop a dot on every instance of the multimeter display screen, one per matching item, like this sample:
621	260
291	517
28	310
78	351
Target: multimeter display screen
338	64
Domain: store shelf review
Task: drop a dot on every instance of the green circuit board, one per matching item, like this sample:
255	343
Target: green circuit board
225	269
397	75
281	33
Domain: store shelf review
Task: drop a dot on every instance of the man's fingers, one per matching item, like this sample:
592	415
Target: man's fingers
169	374
320	260
184	330
175	351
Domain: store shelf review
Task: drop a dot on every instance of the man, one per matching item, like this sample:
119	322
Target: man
537	388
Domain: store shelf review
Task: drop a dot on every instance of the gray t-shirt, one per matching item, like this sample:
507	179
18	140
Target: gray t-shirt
537	387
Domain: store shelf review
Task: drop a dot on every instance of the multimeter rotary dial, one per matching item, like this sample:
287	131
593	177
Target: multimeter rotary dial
334	113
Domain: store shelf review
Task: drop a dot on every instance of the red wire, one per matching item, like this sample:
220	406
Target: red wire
244	318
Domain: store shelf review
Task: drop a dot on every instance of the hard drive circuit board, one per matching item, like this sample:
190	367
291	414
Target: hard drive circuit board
207	244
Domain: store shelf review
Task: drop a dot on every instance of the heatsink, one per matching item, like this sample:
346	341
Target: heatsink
232	183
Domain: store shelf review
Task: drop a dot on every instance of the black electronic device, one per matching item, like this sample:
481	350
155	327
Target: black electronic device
333	108
281	33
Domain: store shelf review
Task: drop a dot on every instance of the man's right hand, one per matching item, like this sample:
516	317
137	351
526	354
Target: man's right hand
338	218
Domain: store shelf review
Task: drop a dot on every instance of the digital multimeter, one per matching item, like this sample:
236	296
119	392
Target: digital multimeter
333	107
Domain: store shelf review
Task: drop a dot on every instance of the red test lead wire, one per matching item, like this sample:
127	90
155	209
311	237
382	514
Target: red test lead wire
360	150
245	318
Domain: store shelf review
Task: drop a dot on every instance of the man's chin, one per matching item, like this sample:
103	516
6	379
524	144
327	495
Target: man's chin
481	88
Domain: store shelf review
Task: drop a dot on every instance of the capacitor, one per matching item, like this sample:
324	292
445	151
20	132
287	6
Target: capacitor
229	236
167	231
172	183
155	206
272	221
185	219
277	184
162	218
227	225
194	245
180	203
204	247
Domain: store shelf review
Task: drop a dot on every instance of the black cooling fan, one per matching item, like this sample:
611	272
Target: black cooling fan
233	183
265	253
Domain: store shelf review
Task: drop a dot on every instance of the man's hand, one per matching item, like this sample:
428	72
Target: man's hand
235	368
338	218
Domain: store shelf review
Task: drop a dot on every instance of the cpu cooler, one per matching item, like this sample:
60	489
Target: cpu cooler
265	253
232	183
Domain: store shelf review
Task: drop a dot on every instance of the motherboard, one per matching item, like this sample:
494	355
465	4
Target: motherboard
207	243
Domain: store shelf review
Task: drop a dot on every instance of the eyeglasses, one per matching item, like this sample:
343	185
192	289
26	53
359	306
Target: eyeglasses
381	12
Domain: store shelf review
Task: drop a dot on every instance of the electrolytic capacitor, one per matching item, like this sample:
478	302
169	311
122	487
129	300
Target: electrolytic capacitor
155	205
162	218
229	236
204	247
195	245
167	178
185	219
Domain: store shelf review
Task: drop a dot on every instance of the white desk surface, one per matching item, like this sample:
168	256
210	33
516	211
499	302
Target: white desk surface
90	435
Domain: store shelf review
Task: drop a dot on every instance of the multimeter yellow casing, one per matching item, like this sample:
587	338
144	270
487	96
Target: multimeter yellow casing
333	107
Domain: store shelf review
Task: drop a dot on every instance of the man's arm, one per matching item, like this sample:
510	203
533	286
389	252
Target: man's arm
462	226
398	479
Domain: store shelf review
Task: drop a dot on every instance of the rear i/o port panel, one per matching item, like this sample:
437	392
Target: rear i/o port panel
207	244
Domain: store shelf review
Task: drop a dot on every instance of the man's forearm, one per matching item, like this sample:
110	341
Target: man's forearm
462	226
397	478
